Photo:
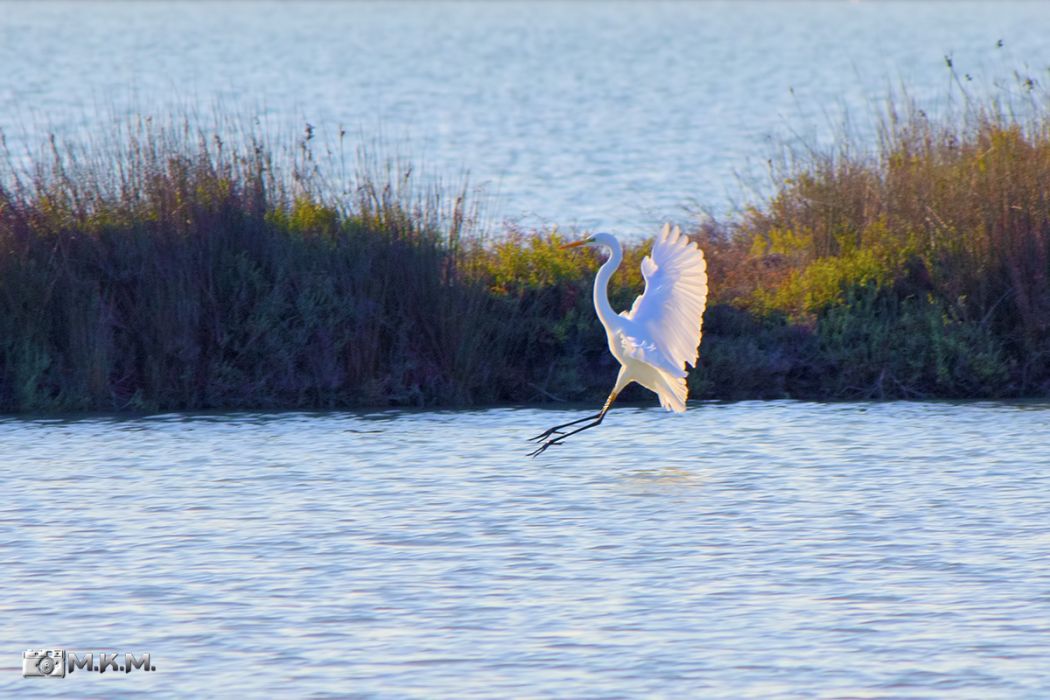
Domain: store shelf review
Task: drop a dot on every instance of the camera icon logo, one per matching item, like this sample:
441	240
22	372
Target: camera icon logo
43	663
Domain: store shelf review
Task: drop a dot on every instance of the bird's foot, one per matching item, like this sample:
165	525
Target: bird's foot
542	448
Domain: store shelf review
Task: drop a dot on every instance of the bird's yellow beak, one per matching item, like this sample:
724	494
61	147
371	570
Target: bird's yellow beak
574	244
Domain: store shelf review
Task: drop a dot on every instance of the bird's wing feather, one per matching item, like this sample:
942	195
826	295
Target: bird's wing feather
668	315
639	348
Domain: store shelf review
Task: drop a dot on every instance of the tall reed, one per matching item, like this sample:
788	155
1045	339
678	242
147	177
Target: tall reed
180	267
949	214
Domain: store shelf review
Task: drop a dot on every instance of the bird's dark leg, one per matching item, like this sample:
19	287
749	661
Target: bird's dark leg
596	419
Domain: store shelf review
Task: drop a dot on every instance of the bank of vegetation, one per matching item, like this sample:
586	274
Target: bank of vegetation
176	267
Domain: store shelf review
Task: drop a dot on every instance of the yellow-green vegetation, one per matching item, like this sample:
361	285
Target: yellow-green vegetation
922	268
811	283
179	269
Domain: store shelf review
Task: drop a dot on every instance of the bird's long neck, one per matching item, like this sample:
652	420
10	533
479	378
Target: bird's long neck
601	286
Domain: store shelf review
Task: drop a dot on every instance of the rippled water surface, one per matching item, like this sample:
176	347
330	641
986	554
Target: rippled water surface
607	115
741	550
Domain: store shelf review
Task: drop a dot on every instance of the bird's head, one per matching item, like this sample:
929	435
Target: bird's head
595	239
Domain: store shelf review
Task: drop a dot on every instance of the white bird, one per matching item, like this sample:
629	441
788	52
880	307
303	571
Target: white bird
660	334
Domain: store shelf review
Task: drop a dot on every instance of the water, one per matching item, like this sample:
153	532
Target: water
610	116
765	550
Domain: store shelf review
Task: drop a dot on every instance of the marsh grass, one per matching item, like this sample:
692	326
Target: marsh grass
922	264
178	267
168	265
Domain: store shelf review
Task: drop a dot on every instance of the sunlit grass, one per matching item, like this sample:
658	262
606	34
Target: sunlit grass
920	264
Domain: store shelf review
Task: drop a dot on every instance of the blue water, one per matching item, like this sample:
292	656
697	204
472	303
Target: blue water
767	550
742	550
614	116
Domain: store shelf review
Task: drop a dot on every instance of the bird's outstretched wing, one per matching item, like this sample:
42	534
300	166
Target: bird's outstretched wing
668	315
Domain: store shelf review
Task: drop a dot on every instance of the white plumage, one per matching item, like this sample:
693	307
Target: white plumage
666	320
660	335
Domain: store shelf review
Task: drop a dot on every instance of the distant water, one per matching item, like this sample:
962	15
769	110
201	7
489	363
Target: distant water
616	116
767	550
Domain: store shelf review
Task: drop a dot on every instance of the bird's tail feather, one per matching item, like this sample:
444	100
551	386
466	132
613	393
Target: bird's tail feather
674	392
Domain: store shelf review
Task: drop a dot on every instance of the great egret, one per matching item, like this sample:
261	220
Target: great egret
660	334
